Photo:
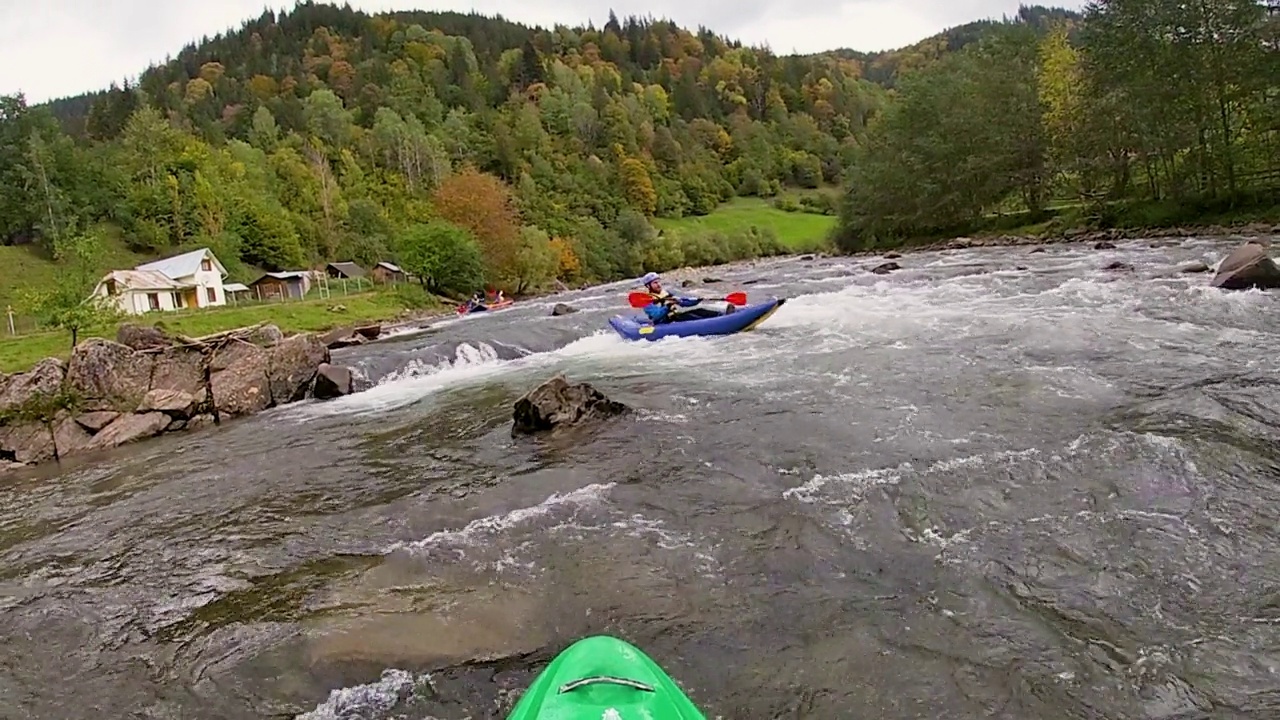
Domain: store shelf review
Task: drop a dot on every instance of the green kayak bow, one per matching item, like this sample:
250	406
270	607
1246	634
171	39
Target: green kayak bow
604	678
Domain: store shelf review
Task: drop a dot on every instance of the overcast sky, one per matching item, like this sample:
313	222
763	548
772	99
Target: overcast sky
54	48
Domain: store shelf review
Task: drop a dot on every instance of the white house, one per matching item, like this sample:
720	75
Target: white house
189	280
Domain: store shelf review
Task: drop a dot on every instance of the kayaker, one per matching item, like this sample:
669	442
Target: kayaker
665	307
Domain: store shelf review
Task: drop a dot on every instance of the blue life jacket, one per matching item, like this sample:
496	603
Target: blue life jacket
660	305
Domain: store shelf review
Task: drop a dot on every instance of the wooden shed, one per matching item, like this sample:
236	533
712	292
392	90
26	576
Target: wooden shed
292	285
385	272
344	270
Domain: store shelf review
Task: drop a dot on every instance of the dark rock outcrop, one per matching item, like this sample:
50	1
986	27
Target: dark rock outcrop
24	389
555	404
1117	266
562	309
292	365
143	337
149	382
109	375
130	428
1248	266
886	268
238	379
332	381
95	421
348	336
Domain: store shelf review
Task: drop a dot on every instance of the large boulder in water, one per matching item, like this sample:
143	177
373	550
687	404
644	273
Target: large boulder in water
332	381
1248	266
555	403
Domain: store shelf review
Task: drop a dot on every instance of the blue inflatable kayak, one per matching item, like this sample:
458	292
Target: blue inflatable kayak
638	327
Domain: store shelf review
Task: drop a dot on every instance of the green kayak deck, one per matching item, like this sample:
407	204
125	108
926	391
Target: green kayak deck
604	678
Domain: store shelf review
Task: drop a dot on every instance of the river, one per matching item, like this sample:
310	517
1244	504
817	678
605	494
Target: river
991	484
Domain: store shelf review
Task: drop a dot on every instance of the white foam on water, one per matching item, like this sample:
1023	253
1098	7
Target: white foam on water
900	311
841	488
478	543
478	532
372	700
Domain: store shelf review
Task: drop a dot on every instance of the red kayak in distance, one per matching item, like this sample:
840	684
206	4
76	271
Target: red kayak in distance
467	308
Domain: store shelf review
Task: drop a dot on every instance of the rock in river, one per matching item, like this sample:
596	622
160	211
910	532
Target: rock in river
1248	266
332	381
555	403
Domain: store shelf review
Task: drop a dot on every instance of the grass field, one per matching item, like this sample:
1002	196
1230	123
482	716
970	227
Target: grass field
799	231
20	353
23	267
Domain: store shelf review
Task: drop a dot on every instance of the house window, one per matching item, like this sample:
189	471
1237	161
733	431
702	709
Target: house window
153	301
112	289
211	294
206	265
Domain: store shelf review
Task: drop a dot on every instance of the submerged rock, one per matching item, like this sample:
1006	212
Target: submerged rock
886	268
562	309
555	403
1248	266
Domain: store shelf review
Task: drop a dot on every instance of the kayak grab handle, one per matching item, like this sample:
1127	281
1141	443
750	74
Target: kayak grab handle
574	685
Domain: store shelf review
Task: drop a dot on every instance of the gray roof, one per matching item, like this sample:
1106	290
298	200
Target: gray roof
349	269
390	266
143	280
287	275
182	265
235	287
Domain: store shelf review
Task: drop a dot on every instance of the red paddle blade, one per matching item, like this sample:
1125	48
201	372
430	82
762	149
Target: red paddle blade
639	299
738	298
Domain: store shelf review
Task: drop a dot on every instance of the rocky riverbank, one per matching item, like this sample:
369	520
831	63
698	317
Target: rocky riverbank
146	383
1083	235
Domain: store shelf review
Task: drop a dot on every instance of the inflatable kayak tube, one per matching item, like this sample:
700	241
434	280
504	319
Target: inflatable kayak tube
638	327
604	678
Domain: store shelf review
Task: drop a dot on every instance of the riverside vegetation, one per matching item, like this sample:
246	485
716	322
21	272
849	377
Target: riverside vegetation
1139	114
476	151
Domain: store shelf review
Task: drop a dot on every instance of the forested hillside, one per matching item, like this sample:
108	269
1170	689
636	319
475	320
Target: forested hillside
476	150
1146	113
325	133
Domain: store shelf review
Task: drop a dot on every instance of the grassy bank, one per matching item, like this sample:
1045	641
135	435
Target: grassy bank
798	231
20	353
24	267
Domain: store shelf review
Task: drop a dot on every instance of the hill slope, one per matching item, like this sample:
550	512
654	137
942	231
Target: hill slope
323	132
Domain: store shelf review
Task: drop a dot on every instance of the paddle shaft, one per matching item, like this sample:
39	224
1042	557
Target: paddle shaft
640	299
